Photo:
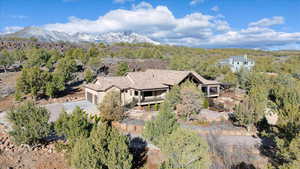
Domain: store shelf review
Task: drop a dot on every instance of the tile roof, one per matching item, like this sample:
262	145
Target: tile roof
150	79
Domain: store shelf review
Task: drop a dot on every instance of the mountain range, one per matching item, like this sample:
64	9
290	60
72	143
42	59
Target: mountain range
54	36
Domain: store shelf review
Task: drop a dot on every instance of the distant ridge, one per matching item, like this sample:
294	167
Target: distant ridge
54	36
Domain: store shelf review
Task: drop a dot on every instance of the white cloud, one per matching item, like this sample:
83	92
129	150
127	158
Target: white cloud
158	22
195	29
265	22
195	2
142	5
122	1
215	8
11	29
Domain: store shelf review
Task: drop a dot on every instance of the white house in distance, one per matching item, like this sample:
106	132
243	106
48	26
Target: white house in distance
237	63
149	87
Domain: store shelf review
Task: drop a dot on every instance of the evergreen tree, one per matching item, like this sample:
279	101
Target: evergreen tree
122	69
252	109
73	126
33	81
173	97
6	59
185	149
88	75
104	149
164	124
65	69
29	123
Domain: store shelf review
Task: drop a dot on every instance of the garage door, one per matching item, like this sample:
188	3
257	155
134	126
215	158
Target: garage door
89	97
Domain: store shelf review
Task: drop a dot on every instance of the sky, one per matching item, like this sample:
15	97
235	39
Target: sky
261	24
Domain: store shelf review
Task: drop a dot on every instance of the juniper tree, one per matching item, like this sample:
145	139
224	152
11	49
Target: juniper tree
88	75
185	149
105	148
29	123
6	59
164	124
73	126
122	69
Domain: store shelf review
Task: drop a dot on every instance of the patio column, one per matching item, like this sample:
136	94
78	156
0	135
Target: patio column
208	91
218	90
139	97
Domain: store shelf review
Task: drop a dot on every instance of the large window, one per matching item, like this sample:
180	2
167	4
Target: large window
147	93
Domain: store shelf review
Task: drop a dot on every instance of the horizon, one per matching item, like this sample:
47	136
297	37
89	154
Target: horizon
258	24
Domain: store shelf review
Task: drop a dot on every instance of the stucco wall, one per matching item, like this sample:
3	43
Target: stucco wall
126	98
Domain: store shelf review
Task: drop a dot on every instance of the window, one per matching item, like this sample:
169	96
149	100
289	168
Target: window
95	99
148	93
136	93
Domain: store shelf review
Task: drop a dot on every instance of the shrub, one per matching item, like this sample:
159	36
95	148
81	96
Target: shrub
156	107
185	149
205	103
29	123
111	108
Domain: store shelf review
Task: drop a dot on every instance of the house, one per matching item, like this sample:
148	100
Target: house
236	63
148	87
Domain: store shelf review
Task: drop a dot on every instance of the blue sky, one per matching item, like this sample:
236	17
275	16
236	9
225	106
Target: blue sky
200	23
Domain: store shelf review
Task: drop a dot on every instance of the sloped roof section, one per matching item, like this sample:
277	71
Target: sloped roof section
144	80
105	83
150	79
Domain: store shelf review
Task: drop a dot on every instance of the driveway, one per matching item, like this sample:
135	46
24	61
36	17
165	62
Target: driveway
56	109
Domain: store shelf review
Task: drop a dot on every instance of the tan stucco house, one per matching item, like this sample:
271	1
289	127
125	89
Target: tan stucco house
148	87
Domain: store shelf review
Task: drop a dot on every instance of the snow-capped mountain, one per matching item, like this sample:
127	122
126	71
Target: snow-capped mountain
53	36
114	37
42	35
